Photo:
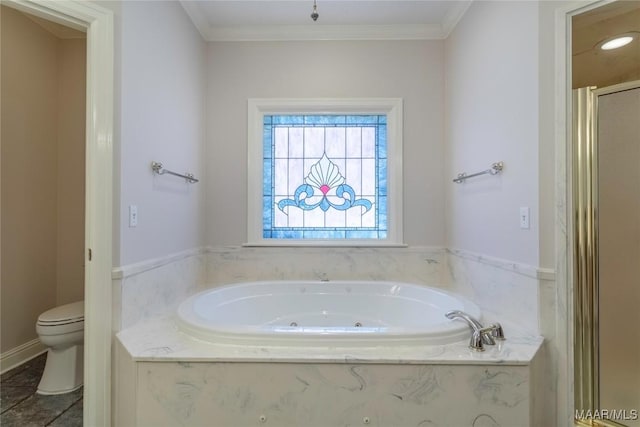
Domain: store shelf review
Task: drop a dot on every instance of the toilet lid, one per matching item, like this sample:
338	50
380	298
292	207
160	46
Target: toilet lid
67	313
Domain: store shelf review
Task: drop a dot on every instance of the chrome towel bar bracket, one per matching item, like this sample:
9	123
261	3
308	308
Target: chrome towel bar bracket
495	169
160	170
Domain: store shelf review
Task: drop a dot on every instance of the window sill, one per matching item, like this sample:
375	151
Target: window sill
325	244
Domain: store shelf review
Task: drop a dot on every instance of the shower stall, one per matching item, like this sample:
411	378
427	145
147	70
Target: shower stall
606	189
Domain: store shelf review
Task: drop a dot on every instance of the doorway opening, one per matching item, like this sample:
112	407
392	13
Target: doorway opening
97	22
43	204
606	208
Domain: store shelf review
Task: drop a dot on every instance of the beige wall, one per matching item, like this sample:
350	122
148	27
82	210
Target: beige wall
71	154
411	70
42	181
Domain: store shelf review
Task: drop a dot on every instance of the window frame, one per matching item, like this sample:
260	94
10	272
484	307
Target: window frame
259	107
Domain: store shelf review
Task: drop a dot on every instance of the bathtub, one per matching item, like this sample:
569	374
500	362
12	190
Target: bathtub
328	314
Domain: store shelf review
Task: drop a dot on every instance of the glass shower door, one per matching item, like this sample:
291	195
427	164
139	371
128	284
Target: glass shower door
618	212
606	198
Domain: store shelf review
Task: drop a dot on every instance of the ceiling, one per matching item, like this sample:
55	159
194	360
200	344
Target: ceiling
243	20
595	67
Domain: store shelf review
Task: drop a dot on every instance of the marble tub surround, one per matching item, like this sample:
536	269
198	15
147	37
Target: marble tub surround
422	265
156	287
254	394
173	379
511	291
164	377
514	292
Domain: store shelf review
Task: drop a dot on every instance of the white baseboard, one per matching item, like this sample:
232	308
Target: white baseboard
18	355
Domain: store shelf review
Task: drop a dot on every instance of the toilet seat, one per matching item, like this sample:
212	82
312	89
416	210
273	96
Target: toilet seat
61	320
67	313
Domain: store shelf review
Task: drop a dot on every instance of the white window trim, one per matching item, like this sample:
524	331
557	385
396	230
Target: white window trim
259	107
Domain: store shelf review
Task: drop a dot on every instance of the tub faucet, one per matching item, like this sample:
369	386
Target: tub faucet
480	335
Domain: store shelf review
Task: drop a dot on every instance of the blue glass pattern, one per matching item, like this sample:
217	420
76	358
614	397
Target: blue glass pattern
381	136
325	120
363	120
382	177
267	140
332	197
287	120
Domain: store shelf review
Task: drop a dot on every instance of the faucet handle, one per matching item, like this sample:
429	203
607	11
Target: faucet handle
497	332
479	336
476	343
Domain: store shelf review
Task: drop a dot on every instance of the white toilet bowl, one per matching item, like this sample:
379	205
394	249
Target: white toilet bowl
62	330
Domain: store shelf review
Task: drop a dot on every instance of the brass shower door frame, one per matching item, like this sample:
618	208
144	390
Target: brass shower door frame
585	247
585	268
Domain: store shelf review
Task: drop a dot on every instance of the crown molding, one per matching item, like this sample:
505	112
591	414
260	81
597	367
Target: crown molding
197	17
314	31
325	32
453	16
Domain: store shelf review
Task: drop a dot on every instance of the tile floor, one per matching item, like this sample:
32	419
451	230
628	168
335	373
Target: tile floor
20	406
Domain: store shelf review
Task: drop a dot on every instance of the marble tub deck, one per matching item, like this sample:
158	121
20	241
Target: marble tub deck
167	378
159	339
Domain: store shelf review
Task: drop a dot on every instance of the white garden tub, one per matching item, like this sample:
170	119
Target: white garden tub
334	314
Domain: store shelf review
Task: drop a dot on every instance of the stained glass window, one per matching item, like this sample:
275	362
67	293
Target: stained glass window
324	176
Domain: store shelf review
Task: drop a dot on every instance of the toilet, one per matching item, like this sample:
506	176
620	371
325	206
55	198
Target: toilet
62	330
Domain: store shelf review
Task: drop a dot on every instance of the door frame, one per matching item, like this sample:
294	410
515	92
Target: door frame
571	394
98	23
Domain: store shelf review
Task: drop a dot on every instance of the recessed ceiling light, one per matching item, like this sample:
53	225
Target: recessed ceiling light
616	42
